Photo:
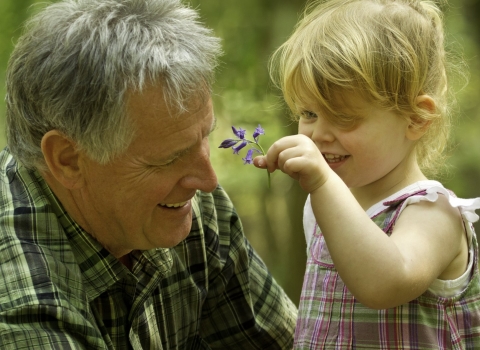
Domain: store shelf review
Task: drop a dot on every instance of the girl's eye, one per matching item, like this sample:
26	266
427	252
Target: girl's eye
308	115
348	122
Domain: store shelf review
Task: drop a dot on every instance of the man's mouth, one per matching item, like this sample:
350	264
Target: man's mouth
173	205
334	158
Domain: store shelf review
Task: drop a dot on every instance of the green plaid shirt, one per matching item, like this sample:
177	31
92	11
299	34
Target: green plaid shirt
60	289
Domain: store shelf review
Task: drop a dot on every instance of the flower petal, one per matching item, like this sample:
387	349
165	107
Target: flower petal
239	147
258	131
228	143
248	158
240	133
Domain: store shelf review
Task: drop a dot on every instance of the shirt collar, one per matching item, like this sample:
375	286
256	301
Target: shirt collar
99	268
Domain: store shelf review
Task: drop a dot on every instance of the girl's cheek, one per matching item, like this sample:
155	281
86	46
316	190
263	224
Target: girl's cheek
305	130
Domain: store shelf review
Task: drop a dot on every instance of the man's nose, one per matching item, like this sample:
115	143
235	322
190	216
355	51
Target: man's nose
202	175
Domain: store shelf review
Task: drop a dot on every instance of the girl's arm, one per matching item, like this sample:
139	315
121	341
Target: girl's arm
380	271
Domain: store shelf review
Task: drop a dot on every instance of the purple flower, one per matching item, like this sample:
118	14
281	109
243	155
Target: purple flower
228	143
249	157
239	147
240	133
258	131
236	147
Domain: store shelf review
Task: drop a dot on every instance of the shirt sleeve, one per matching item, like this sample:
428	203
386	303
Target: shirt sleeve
245	307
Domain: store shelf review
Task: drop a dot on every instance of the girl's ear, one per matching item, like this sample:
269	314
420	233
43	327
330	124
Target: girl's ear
418	126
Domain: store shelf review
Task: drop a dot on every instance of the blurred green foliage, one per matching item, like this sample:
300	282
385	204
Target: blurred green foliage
244	97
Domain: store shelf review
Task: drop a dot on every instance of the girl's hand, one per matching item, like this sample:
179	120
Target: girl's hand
298	157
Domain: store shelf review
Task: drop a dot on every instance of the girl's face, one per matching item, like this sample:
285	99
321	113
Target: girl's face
376	151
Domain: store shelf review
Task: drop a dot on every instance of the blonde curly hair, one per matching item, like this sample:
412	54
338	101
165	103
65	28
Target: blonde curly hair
388	51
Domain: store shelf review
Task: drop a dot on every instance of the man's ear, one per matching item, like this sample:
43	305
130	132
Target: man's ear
419	126
62	159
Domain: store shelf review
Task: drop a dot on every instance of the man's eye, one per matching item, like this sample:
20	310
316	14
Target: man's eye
171	162
163	165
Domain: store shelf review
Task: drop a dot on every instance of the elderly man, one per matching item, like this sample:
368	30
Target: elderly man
114	231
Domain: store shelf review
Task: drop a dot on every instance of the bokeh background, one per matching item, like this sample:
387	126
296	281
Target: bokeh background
244	97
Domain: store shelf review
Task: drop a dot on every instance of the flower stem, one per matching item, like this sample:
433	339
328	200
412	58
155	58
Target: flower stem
263	153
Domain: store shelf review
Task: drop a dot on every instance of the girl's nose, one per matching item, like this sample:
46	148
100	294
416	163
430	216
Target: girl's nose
322	131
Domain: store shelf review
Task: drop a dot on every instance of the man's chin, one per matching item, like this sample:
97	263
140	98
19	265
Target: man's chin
174	235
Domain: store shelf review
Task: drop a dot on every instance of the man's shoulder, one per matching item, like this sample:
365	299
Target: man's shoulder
35	274
37	264
27	218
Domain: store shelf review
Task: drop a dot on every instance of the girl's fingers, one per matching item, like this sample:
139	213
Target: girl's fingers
260	162
283	149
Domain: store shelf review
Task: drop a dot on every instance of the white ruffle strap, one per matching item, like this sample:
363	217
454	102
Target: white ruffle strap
466	206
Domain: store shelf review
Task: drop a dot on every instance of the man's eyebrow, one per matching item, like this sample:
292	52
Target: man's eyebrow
180	153
186	150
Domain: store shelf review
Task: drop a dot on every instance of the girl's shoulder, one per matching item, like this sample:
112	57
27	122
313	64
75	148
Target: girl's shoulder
430	213
428	190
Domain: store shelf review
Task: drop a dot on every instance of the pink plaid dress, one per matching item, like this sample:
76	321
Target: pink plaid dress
331	318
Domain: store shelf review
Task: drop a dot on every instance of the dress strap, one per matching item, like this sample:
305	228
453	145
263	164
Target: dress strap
393	207
396	205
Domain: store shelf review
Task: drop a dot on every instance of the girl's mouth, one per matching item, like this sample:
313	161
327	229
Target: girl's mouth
334	158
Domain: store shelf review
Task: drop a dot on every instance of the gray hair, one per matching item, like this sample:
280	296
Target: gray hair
77	60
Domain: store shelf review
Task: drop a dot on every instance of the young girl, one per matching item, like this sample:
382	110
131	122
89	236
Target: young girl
392	256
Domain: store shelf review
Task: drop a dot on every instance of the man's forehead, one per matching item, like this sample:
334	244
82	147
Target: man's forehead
148	102
152	99
161	134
